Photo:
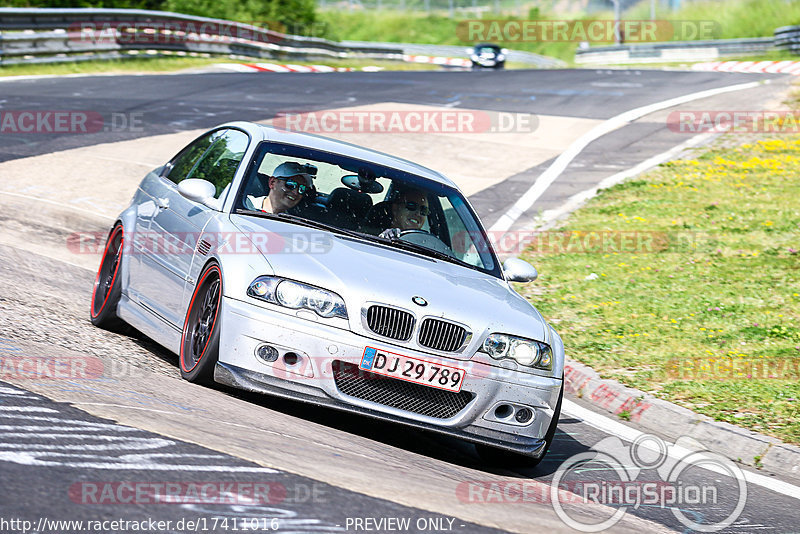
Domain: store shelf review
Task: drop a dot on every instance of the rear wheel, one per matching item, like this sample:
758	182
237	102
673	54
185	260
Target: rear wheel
200	340
108	284
499	457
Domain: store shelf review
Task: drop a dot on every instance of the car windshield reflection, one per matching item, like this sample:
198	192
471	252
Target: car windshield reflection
371	200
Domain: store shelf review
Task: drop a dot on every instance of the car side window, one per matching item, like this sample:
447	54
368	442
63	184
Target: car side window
219	162
184	162
462	239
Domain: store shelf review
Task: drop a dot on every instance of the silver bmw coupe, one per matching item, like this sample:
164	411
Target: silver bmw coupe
312	269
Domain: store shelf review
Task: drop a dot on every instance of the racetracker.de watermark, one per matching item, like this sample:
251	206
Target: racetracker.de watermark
327	368
177	492
584	241
456	121
187	243
730	368
591	31
699	121
170	31
68	121
24	367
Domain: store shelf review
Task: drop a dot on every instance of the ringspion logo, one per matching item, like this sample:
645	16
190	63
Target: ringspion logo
701	504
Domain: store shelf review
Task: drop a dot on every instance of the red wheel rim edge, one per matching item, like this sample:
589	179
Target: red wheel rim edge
189	311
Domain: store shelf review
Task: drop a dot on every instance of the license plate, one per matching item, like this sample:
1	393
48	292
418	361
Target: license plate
414	370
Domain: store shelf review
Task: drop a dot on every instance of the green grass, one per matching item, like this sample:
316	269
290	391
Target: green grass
702	307
172	64
121	66
731	19
409	27
734	19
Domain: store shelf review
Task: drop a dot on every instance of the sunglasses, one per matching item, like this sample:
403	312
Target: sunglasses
414	206
291	185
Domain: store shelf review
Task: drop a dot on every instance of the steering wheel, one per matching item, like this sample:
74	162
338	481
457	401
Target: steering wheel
426	239
407	232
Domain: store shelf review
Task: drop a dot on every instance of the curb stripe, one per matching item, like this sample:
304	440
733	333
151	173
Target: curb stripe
767	67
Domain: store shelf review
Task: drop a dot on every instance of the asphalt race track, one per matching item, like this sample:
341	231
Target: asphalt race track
80	449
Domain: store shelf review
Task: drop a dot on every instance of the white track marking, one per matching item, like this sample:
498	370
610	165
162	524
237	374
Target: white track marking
31	459
126	406
137	444
615	428
555	169
248	428
55	203
577	199
38	445
61	435
133	162
38	409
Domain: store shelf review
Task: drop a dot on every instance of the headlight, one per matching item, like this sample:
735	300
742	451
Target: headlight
523	351
296	295
501	57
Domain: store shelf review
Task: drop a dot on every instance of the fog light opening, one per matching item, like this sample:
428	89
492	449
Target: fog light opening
503	411
524	415
291	358
266	353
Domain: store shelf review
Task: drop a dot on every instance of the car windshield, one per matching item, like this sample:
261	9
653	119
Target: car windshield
488	50
371	201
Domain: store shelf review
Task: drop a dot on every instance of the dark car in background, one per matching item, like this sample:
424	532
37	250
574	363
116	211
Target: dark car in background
488	56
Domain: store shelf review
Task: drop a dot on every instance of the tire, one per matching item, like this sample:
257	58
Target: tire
108	284
200	339
501	458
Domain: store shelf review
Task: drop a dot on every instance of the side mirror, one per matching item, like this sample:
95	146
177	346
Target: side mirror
517	270
198	190
504	51
469	51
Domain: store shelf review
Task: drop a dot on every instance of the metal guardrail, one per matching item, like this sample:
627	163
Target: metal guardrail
788	38
33	35
45	35
674	51
518	56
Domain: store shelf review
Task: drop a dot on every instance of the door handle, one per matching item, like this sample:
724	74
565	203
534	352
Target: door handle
162	203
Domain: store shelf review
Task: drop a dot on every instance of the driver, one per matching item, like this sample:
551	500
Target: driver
287	185
410	210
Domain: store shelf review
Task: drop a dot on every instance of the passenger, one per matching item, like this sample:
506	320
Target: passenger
287	185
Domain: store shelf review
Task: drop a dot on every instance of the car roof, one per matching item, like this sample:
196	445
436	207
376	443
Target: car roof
263	132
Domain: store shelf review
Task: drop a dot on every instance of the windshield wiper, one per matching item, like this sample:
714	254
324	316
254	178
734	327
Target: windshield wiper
310	223
414	247
391	241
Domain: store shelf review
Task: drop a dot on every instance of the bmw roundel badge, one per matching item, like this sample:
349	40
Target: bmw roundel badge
419	301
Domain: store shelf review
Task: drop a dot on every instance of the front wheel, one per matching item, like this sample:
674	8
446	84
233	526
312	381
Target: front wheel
498	457
200	340
108	284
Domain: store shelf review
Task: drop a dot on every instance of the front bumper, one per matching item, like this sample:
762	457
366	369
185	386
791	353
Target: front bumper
318	347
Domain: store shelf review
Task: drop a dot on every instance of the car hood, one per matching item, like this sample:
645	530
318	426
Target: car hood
362	273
